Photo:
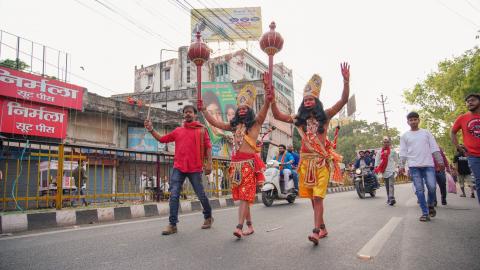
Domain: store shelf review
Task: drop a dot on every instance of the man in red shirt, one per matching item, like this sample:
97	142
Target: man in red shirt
192	145
469	123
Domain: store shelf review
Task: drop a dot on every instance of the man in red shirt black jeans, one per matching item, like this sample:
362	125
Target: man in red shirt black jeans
470	125
192	145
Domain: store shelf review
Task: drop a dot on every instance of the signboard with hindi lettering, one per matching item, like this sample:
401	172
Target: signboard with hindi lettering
227	24
22	85
19	117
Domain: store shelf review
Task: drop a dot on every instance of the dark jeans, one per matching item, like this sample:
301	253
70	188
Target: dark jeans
442	183
295	179
176	182
474	163
422	176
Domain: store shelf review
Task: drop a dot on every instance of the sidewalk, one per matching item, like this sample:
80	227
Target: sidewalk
19	222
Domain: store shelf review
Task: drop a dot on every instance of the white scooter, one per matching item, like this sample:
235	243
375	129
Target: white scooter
271	187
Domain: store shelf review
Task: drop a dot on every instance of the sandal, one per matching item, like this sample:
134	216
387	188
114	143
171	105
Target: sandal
238	231
425	218
315	236
322	228
250	229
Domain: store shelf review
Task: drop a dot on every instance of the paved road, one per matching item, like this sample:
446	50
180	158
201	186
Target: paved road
450	241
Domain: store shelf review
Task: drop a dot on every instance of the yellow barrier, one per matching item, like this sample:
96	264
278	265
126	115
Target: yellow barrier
44	176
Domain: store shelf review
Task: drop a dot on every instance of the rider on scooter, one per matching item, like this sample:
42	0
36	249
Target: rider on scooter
286	160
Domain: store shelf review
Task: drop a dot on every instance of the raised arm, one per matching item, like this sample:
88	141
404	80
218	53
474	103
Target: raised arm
270	93
262	114
331	112
214	122
170	137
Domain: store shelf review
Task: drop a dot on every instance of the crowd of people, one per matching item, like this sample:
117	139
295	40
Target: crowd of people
318	163
312	169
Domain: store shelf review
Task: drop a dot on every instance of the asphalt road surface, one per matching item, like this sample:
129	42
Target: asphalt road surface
363	234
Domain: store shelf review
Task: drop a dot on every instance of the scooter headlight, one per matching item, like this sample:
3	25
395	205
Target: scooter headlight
358	171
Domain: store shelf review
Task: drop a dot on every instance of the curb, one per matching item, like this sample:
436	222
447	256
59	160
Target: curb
36	221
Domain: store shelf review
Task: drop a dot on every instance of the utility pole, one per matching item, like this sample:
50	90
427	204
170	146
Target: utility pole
383	101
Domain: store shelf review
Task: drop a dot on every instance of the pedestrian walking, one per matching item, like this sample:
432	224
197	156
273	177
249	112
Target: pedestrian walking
469	123
246	167
318	161
192	156
385	165
441	177
463	172
416	149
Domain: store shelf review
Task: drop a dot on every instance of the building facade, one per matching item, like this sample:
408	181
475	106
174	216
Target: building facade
178	81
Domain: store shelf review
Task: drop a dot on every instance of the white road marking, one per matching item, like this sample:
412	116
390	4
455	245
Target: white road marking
373	247
274	229
78	228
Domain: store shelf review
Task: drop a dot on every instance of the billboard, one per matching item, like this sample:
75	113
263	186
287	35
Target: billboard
219	99
19	117
216	24
34	88
139	139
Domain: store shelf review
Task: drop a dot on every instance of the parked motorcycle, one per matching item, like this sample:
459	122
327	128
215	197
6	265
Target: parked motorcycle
365	182
272	187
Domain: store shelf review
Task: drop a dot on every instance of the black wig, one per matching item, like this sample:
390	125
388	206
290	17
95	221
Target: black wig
248	120
317	112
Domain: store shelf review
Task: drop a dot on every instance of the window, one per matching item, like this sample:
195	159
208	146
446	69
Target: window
180	103
216	71
226	68
188	74
150	79
221	70
167	74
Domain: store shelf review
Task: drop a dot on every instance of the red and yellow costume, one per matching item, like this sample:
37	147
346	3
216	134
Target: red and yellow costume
318	161
246	169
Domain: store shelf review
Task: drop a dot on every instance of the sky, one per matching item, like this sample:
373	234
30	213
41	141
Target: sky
390	45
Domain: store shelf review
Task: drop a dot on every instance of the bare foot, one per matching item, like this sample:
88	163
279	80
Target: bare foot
249	231
314	237
323	233
238	233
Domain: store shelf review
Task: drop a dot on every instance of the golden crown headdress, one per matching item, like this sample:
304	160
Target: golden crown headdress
247	96
313	86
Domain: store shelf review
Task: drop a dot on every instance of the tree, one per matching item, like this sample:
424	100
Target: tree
440	97
358	135
9	63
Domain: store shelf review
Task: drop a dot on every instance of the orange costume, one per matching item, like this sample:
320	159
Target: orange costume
318	161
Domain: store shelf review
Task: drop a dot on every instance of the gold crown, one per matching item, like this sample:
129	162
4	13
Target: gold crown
313	86
247	96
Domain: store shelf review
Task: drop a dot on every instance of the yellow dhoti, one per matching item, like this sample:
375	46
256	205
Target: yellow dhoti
313	177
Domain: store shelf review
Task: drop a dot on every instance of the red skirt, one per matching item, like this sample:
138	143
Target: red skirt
250	176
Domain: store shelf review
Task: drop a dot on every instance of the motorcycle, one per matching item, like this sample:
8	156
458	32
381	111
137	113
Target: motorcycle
272	187
365	182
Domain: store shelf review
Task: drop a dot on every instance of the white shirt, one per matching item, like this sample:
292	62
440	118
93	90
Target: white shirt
391	165
417	147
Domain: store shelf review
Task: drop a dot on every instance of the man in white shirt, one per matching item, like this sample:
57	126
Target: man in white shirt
385	165
417	147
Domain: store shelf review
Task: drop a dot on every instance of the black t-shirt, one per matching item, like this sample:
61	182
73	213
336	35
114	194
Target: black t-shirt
462	161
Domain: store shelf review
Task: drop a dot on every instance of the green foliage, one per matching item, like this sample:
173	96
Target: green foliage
358	135
9	63
297	140
440	97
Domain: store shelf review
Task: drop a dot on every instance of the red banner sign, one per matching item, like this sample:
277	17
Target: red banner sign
32	119
21	85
